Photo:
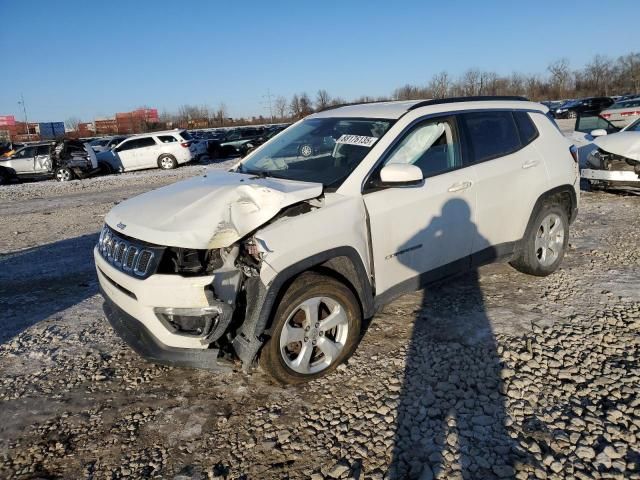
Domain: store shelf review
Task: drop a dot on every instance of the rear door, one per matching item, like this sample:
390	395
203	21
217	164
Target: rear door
509	172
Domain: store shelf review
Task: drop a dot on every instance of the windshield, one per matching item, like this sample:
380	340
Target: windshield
100	143
322	150
634	127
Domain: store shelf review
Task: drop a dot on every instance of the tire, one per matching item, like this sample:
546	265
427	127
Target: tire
64	174
284	358
105	168
167	162
571	114
4	178
542	253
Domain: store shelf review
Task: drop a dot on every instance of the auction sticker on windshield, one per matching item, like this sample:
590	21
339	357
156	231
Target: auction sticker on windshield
360	140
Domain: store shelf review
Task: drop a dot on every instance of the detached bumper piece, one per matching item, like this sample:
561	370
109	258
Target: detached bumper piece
143	342
617	176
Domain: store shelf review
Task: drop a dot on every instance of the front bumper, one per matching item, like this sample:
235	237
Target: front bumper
143	342
625	177
133	305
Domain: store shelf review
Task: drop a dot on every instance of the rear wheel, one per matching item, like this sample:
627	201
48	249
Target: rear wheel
4	178
64	174
316	327
545	242
167	162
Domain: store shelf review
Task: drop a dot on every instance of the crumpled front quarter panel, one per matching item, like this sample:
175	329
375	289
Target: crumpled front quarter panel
340	222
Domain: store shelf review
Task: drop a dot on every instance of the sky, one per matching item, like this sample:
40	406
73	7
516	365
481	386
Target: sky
90	59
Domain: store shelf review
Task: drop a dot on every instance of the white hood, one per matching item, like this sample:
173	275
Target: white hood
625	144
211	211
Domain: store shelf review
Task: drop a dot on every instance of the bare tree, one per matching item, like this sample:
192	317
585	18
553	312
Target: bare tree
72	123
305	105
629	72
221	114
323	99
294	107
439	85
598	74
560	77
280	107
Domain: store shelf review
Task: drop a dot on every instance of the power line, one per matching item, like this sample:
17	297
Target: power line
24	109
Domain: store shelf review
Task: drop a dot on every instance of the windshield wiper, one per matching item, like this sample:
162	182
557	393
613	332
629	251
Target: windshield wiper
257	173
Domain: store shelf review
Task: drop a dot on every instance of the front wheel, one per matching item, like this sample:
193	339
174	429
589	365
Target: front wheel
545	242
316	327
167	162
64	174
572	114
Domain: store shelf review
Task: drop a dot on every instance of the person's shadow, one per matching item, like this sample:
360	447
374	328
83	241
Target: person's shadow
451	419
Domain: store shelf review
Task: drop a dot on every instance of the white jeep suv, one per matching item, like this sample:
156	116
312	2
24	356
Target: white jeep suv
283	257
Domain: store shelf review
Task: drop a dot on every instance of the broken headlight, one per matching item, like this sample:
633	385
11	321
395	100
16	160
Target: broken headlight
190	262
594	158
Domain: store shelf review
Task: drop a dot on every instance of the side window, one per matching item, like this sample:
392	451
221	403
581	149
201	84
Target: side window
137	143
433	146
26	152
526	128
43	150
167	138
588	123
491	134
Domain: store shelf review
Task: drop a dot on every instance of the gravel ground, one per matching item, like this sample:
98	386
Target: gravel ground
492	375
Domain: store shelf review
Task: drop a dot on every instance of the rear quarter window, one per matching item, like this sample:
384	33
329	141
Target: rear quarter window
167	138
526	128
491	134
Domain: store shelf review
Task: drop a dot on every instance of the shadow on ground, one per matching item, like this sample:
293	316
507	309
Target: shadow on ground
451	414
42	281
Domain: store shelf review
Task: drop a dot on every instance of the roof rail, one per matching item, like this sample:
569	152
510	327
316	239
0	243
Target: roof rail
350	104
477	98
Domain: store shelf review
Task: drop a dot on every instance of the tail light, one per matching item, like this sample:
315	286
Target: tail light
605	115
185	144
574	153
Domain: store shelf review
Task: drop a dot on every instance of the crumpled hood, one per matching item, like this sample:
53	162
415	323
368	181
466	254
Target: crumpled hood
211	211
625	144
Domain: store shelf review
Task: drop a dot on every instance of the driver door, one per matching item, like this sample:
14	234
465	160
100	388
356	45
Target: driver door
424	232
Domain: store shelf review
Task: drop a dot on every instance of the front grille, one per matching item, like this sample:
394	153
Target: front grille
131	256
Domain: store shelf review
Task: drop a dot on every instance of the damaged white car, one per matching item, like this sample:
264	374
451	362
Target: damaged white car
284	258
615	162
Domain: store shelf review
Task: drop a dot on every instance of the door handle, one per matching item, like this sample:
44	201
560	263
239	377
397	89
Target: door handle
530	163
456	187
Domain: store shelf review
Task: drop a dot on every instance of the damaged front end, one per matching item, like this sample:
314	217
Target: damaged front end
609	169
191	300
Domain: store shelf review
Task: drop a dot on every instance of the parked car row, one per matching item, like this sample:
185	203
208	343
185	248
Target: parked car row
621	110
69	159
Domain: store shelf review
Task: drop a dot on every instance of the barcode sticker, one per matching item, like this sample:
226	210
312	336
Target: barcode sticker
360	140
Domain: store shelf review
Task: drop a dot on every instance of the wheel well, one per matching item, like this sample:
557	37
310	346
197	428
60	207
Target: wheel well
564	195
339	268
341	263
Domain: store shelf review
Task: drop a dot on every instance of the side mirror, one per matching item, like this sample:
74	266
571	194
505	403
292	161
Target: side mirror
599	132
401	175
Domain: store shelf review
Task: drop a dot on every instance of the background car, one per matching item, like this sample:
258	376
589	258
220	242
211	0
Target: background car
269	133
106	143
591	105
231	142
166	150
623	112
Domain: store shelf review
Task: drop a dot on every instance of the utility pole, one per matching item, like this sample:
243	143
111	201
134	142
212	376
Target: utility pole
26	122
268	97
